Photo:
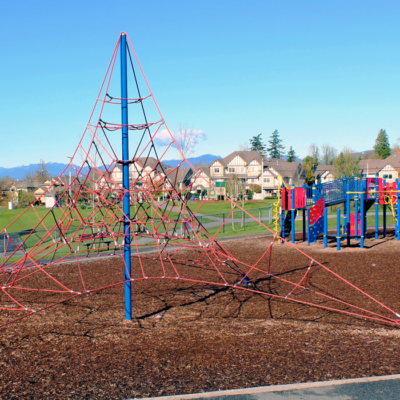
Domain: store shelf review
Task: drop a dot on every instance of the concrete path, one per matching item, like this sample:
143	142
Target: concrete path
373	388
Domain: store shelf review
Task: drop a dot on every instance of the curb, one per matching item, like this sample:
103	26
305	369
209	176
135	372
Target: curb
275	388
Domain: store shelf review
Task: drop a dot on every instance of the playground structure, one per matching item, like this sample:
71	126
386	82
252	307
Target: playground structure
356	194
126	218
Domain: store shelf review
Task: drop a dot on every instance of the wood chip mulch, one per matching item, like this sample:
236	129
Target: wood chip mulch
191	337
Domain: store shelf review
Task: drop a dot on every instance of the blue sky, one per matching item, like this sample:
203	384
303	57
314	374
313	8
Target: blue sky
318	71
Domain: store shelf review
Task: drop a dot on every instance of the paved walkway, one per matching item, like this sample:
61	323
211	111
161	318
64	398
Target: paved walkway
373	388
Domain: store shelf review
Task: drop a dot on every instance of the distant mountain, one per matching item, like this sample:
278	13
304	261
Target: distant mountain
205	159
297	159
55	169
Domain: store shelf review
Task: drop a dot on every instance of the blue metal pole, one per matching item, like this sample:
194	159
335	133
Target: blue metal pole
292	212
313	194
356	187
338	228
325	227
384	209
344	204
376	207
304	215
125	178
283	225
308	226
348	211
362	208
398	210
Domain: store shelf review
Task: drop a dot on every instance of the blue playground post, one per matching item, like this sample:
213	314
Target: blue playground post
362	208
348	211
292	212
304	218
384	210
308	226
376	207
365	190
397	210
125	178
338	229
325	227
357	188
314	188
283	226
344	203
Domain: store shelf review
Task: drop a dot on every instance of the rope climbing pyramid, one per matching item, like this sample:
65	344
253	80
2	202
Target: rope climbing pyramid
121	201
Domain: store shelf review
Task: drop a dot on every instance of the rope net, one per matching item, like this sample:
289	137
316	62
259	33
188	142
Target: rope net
46	267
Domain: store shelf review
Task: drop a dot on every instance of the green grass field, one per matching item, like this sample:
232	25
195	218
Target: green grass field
31	219
210	213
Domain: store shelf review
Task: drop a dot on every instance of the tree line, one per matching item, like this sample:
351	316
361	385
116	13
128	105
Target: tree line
345	162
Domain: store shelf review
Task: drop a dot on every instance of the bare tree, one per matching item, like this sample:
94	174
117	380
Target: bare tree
187	139
346	163
396	146
243	146
41	174
313	152
232	192
328	154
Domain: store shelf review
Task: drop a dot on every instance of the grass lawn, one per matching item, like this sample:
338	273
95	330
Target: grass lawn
216	207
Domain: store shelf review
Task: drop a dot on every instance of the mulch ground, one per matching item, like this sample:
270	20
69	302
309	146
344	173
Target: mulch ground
189	337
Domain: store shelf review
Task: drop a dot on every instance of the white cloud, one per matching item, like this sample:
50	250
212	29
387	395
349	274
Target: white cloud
163	137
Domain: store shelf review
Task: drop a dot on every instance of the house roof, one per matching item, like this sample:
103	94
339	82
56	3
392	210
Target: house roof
151	162
246	156
321	169
205	170
372	166
393	160
27	184
180	174
284	168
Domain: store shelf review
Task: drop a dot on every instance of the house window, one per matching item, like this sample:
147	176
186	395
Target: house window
216	170
267	180
253	169
387	176
231	169
242	169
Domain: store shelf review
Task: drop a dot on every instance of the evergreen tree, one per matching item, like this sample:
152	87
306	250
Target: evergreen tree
257	144
276	147
291	155
382	147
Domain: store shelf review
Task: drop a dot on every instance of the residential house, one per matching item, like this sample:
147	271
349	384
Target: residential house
251	168
387	169
179	178
201	180
324	173
141	170
55	185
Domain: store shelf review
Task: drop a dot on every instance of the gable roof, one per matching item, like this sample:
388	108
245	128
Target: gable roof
371	166
181	174
393	160
246	156
284	168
